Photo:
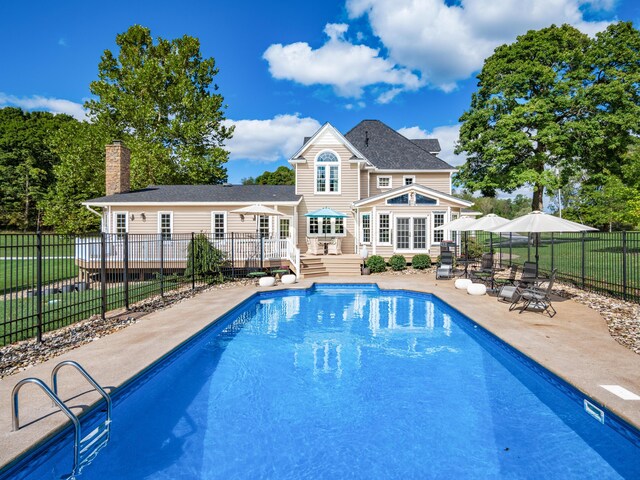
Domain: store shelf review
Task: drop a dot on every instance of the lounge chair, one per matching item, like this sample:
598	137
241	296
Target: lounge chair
486	271
538	297
335	247
445	269
313	246
510	280
512	293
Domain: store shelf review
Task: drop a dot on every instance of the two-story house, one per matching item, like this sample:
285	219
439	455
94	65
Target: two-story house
391	193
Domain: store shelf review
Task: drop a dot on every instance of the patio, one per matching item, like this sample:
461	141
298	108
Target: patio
566	344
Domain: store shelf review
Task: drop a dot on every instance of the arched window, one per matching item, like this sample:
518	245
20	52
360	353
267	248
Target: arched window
327	173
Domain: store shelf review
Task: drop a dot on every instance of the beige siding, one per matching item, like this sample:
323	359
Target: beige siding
340	202
187	219
440	181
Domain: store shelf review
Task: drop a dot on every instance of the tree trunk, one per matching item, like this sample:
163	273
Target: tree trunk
538	197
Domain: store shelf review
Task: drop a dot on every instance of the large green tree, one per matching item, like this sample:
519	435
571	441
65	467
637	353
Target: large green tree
26	165
550	105
281	176
159	97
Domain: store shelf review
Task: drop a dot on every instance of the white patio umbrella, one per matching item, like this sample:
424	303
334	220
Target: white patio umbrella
540	222
486	224
458	225
258	209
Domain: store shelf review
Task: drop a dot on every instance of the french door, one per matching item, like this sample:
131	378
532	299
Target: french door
412	233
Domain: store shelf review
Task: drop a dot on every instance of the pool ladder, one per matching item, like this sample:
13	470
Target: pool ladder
84	449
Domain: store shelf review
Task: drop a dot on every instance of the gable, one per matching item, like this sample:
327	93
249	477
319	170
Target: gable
328	136
422	195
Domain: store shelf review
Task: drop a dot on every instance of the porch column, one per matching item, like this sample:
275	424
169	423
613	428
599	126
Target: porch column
374	230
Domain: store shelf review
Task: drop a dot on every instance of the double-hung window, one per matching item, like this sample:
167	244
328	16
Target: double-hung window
120	223
284	228
384	228
384	182
218	224
366	228
438	219
325	226
263	225
327	173
165	225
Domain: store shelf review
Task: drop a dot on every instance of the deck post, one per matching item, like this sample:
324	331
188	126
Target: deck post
261	251
125	268
233	255
39	283
103	275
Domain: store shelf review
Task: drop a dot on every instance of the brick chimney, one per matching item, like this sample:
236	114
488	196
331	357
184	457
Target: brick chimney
118	168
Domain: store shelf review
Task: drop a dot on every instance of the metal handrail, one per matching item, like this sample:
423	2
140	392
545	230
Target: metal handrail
89	378
56	400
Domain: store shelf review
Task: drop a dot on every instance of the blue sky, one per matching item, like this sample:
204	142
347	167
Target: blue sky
286	67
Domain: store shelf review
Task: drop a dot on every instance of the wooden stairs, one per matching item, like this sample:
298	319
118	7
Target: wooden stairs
329	265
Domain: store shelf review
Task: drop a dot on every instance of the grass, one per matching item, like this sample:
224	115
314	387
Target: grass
18	318
604	258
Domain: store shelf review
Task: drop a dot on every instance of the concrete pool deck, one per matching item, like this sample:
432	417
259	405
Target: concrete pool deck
575	345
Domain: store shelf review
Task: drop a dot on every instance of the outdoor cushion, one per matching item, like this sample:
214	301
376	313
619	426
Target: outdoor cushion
463	283
477	289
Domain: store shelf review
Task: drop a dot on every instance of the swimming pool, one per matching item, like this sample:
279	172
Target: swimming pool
348	381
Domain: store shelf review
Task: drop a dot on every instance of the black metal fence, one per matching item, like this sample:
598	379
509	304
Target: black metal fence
48	281
605	262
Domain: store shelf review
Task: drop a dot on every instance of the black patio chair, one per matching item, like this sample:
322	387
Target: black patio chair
486	271
538	297
510	280
446	267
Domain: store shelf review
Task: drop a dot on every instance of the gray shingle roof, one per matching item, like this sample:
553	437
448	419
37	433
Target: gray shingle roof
205	194
388	150
431	145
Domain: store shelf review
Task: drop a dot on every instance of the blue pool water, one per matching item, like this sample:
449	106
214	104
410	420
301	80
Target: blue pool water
349	382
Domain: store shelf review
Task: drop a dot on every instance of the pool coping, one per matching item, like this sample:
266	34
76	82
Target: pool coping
50	425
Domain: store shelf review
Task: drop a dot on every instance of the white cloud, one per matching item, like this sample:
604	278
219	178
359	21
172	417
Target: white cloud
448	136
53	105
269	140
448	43
348	68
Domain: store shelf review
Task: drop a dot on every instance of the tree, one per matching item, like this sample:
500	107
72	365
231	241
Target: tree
281	176
80	175
26	164
158	98
550	105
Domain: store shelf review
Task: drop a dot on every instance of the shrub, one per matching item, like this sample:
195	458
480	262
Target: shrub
398	262
421	261
376	264
474	248
203	259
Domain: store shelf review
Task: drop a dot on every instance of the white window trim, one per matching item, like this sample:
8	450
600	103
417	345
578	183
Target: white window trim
115	223
224	214
391	229
269	223
388	186
327	173
404	180
166	212
371	229
433	225
333	228
290	219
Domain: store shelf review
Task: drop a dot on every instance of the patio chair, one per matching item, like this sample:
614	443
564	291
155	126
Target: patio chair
510	280
445	269
529	272
538	297
313	246
486	271
335	247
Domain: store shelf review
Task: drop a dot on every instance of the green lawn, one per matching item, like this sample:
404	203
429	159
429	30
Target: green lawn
18	319
603	259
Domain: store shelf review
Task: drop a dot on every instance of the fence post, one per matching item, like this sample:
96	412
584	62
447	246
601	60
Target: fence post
161	265
39	282
624	265
529	238
193	261
510	249
233	256
125	269
552	252
583	258
103	275
261	251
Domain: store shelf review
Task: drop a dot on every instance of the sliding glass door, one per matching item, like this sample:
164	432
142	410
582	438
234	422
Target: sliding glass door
411	233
